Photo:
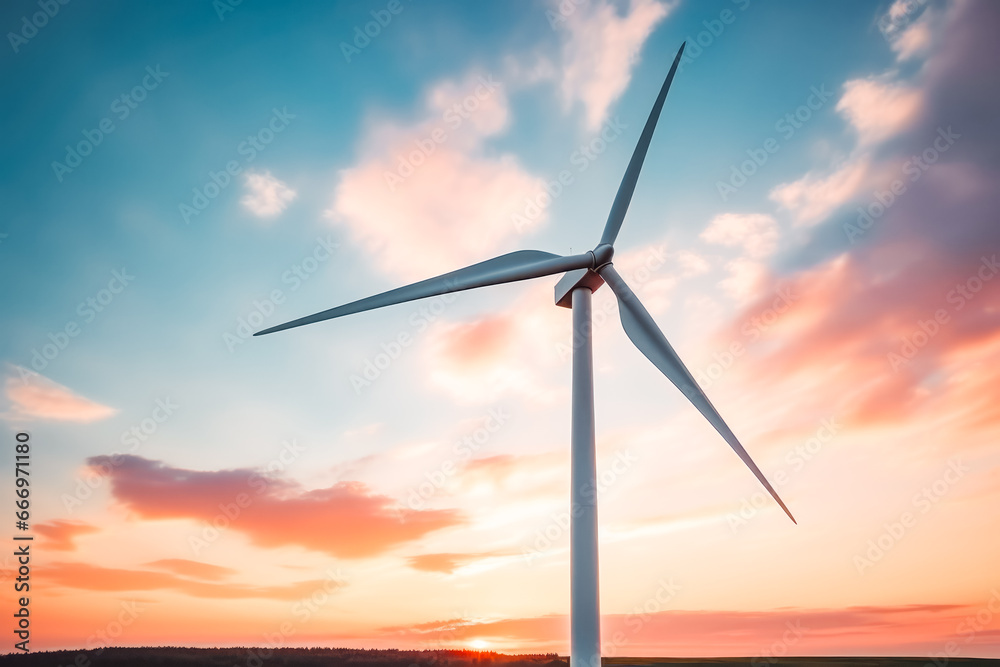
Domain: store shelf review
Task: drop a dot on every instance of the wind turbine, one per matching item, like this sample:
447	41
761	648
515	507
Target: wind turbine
584	274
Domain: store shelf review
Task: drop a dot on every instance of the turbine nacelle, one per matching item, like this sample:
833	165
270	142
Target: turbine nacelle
587	277
574	279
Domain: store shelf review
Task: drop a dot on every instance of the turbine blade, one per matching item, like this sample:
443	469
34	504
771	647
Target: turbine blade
624	196
520	265
642	330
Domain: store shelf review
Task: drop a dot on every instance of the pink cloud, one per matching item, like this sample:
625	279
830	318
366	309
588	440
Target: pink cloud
861	322
34	396
430	180
888	318
480	342
507	353
272	512
61	534
879	109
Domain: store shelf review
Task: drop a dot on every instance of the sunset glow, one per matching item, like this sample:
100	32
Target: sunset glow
815	231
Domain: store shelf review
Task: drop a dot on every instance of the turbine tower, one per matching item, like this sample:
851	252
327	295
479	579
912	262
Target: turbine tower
584	273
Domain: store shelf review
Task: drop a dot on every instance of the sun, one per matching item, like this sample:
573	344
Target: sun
480	644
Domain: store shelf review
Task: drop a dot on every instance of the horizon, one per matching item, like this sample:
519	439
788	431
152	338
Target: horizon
813	230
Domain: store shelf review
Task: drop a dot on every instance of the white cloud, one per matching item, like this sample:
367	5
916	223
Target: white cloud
878	110
814	196
691	263
907	27
600	49
266	196
756	233
912	41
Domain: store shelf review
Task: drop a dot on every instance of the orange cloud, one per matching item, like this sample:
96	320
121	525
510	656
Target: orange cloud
96	578
272	512
192	569
34	396
651	630
60	534
447	563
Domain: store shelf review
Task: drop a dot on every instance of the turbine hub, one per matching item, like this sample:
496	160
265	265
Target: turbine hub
602	255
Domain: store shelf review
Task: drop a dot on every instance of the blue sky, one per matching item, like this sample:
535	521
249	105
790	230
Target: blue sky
306	221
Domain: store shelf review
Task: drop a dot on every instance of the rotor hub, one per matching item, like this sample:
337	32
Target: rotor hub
602	255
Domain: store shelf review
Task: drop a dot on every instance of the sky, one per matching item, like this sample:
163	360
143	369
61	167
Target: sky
814	230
